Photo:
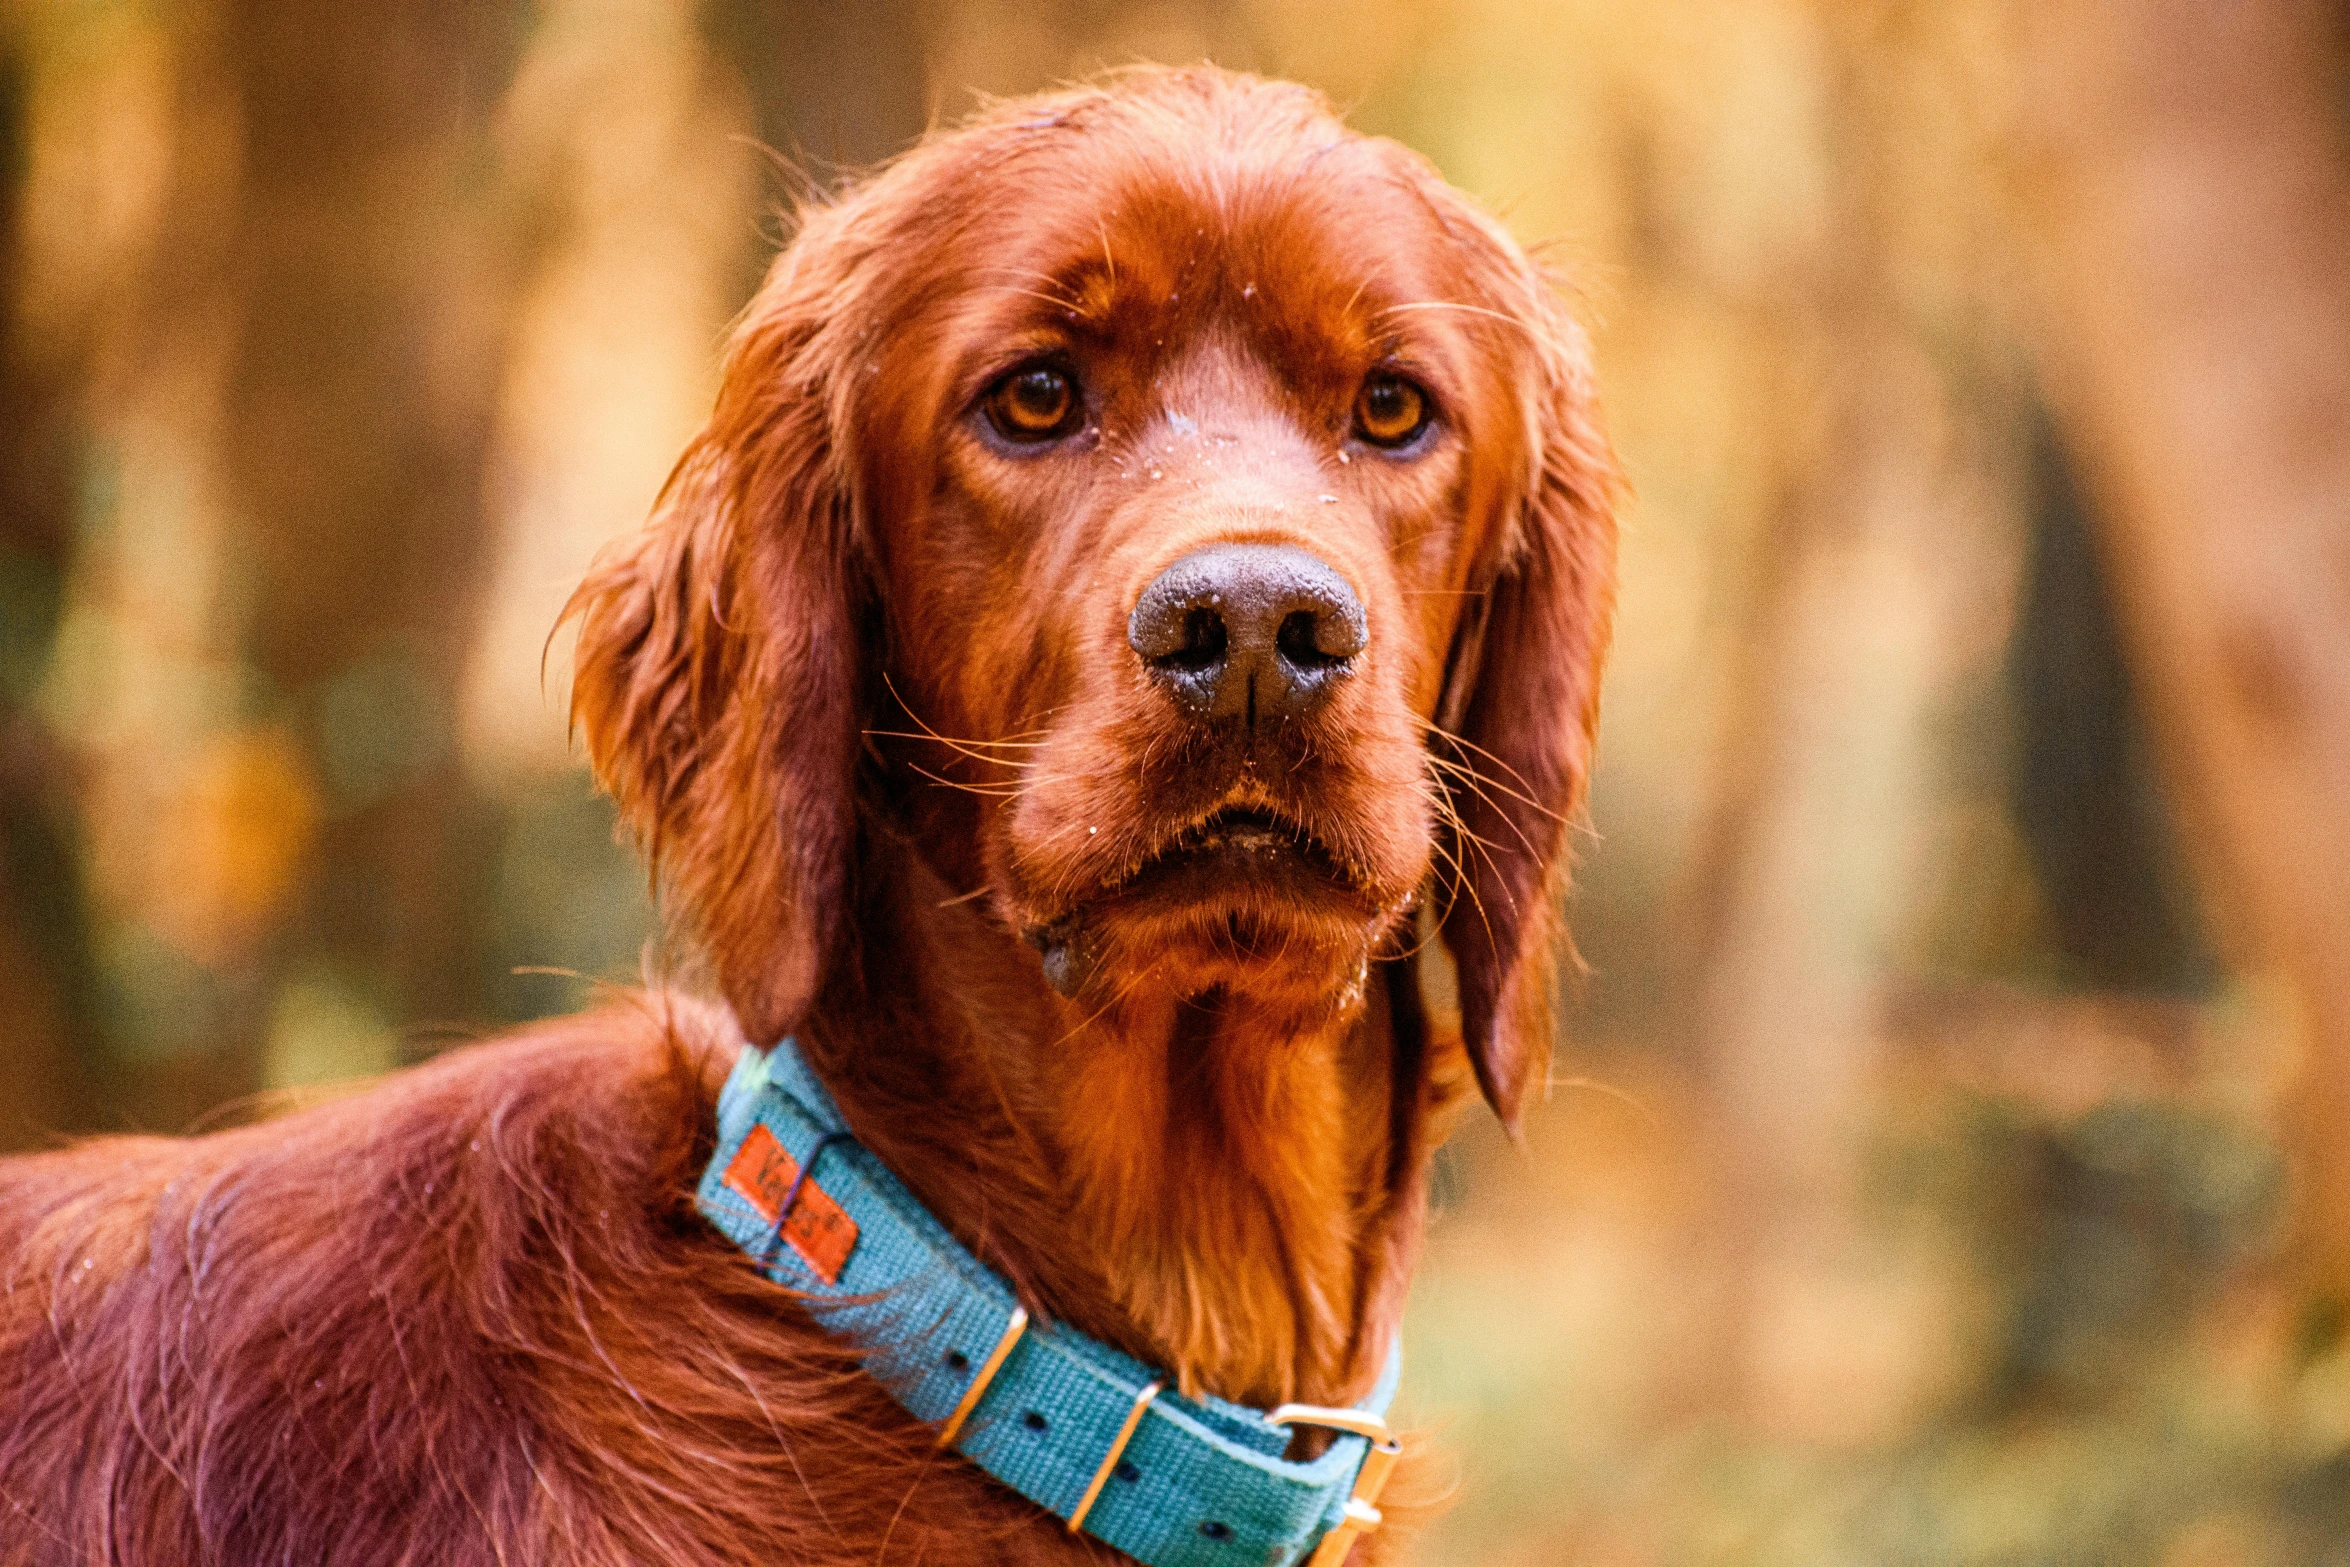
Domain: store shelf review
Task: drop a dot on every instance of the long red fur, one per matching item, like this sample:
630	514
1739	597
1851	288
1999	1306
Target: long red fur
470	1315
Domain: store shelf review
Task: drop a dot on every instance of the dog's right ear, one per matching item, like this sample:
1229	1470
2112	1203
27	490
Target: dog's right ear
718	672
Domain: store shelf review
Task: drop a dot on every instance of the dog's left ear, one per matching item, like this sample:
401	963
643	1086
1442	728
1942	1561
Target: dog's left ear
719	667
1520	705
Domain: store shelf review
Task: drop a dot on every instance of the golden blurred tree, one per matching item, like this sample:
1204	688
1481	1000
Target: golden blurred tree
372	270
45	981
2186	181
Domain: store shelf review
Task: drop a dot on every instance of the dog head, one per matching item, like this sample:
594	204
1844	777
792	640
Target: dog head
1183	519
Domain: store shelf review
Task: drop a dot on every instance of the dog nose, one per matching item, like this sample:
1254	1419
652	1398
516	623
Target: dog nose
1248	631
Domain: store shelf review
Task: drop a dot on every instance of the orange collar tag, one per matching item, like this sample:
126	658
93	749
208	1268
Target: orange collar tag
762	1173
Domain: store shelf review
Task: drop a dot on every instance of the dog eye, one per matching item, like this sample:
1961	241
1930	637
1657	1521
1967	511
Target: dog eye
1390	410
1035	403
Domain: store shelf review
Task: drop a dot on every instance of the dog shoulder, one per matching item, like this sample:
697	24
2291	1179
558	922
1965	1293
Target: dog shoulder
300	1321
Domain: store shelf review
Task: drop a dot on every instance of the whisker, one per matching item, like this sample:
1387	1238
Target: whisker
961	744
982	790
1035	274
1463	741
1464	887
1448	304
1032	274
1462	884
1074	307
1593	1085
929	733
1465	882
1479	783
1476	783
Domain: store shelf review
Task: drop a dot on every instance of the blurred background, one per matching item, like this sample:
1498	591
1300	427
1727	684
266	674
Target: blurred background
1950	1158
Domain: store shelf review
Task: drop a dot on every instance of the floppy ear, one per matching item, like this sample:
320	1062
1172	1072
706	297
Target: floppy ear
719	670
1520	705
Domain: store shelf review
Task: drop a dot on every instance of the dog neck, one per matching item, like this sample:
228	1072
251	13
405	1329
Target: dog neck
1229	1194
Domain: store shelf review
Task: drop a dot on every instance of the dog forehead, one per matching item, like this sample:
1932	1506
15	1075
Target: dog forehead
1331	235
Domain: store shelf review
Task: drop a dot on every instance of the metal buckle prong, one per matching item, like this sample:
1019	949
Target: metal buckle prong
1361	1514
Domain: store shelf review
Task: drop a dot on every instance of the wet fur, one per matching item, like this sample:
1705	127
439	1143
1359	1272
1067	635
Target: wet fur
860	691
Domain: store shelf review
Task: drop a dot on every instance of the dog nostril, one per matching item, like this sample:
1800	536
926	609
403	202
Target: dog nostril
1300	642
1204	641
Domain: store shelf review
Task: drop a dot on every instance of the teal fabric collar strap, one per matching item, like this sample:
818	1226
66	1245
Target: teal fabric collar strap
1061	1418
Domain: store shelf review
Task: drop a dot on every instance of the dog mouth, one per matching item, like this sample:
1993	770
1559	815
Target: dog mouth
1239	869
1244	878
1242	846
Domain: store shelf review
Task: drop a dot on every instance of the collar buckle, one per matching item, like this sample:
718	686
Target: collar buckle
1361	1514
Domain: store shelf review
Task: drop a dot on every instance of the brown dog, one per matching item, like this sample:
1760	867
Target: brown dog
1148	540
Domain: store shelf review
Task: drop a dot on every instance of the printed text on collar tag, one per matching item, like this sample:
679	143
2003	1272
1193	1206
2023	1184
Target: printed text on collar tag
761	1172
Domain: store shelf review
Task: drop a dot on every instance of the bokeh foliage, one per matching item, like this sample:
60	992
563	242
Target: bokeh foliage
1921	1186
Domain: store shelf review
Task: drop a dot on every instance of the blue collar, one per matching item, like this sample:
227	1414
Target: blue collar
1080	1429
